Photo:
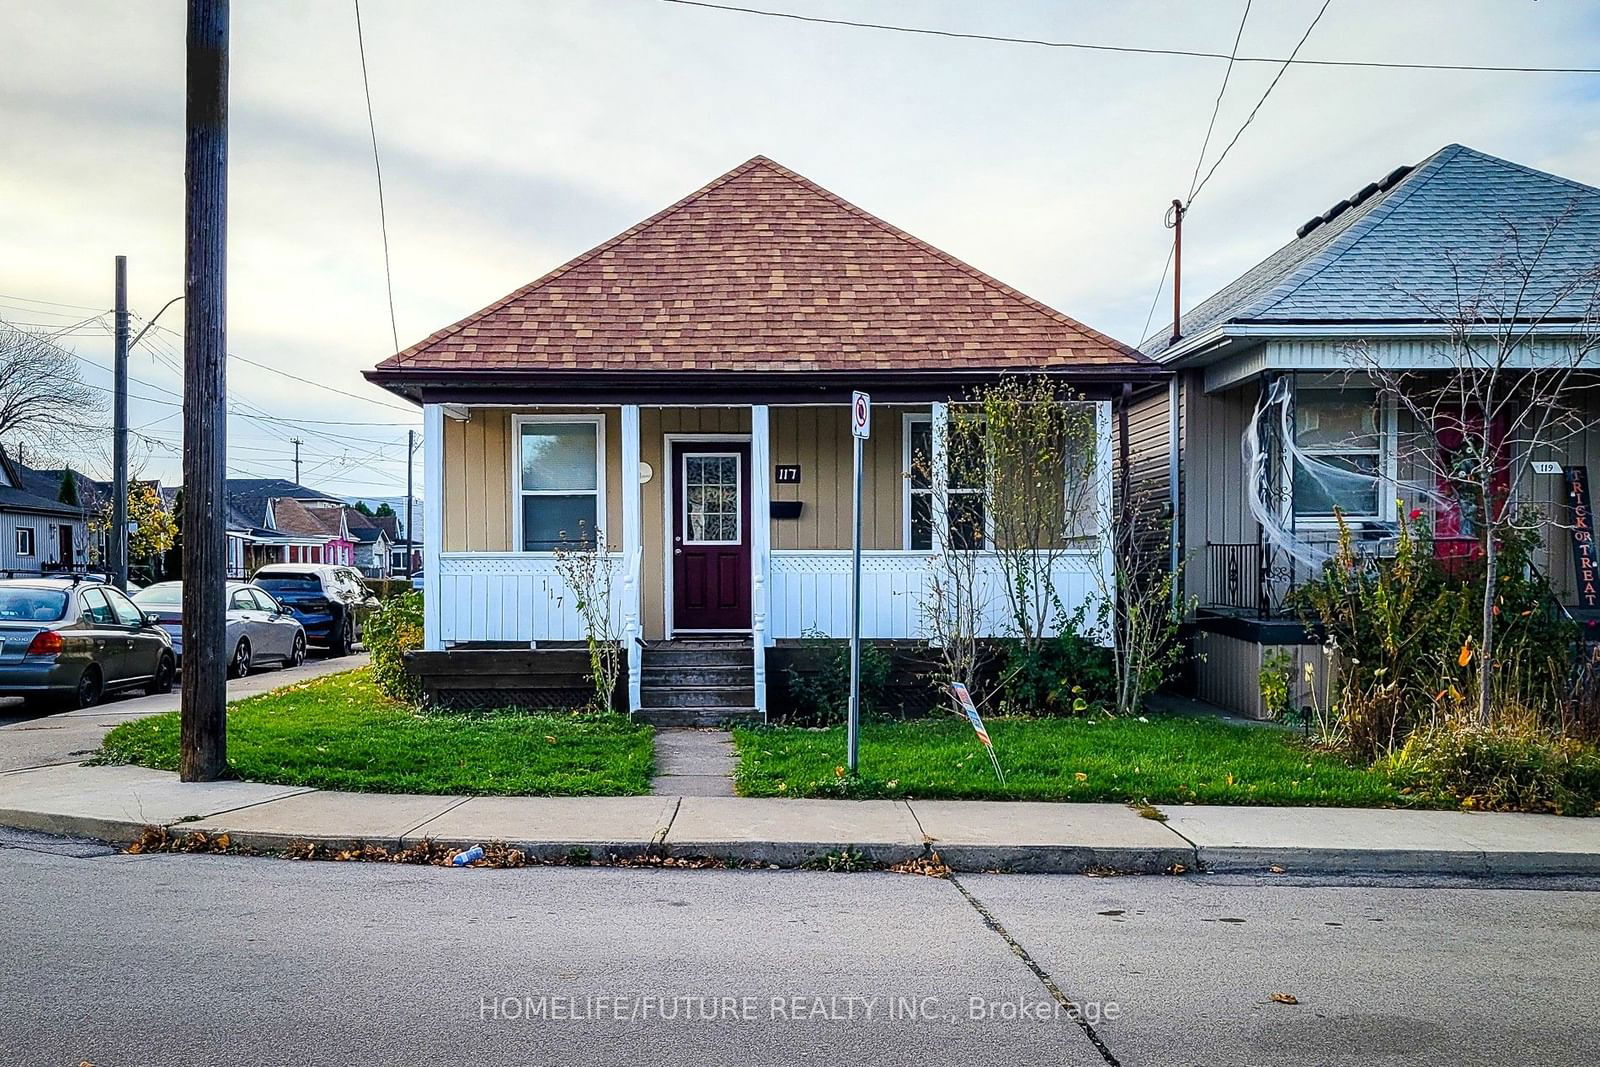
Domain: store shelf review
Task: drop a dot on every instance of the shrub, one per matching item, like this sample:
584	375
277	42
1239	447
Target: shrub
391	631
1065	674
1404	631
1498	768
821	693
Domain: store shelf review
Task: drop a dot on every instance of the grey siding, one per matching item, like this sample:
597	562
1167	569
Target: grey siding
47	548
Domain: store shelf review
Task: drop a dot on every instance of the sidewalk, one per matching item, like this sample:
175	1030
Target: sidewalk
116	803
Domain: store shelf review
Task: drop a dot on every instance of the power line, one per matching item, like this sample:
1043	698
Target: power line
298	378
377	167
1323	10
1217	107
1131	49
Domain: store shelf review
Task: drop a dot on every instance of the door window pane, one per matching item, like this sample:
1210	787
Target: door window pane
711	498
126	611
96	608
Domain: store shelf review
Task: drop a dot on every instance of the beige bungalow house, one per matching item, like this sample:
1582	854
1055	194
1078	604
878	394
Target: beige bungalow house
685	388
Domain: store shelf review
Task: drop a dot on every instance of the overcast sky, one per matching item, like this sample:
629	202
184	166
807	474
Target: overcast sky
517	135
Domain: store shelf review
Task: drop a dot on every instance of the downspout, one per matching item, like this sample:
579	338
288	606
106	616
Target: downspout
1124	452
1174	470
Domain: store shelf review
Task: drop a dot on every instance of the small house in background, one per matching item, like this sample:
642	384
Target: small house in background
38	532
1275	420
685	389
373	536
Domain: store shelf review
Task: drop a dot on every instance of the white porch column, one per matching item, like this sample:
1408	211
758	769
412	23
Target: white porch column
760	545
1103	481
632	555
940	497
432	524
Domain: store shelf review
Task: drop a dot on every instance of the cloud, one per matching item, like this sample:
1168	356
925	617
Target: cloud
516	136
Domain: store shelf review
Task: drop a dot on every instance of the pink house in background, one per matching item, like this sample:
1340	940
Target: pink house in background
314	531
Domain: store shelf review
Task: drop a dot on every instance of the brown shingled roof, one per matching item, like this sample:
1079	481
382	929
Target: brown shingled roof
763	270
290	516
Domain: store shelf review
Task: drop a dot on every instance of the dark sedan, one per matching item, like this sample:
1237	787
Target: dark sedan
71	643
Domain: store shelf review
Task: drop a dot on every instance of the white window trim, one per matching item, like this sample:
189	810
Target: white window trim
32	539
517	492
1388	467
906	492
738	481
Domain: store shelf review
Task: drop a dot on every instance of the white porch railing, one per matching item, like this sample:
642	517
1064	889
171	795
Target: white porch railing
810	591
514	597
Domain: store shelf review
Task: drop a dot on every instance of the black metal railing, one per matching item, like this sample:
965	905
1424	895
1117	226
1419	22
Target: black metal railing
1260	578
1234	577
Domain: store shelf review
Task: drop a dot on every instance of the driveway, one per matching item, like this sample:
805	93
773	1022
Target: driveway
31	740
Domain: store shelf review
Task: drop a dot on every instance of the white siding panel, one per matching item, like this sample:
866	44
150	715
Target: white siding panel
512	597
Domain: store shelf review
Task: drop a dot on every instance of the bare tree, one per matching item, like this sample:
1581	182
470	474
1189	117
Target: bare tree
1517	362
43	401
1032	442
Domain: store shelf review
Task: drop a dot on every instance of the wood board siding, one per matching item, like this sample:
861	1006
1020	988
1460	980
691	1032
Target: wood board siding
817	439
478	461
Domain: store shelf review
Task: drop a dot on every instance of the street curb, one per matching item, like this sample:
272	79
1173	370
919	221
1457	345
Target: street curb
963	858
1469	862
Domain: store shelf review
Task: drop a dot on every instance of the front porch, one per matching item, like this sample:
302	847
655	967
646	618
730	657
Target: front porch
730	521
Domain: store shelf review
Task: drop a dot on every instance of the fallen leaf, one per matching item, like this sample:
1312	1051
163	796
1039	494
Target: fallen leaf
1275	870
550	738
1080	776
1285	998
1466	654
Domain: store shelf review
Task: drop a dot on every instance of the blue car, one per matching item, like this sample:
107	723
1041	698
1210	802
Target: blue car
331	603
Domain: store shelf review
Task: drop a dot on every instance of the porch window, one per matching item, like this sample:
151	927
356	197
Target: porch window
1343	435
558	481
965	500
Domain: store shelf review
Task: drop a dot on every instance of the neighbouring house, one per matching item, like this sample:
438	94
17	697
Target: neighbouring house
685	388
255	537
38	532
1275	419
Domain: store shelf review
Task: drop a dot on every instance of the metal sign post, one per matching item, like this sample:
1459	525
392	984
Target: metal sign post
860	430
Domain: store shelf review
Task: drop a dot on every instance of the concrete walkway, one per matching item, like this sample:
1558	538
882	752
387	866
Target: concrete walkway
694	763
33	740
116	803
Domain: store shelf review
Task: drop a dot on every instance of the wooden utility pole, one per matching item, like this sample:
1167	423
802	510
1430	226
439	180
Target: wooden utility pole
203	736
119	432
297	443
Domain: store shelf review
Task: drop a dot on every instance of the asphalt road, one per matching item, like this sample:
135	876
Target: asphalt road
224	960
29	739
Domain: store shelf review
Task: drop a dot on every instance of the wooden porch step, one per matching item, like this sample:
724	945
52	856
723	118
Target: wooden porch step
699	696
669	677
666	717
679	656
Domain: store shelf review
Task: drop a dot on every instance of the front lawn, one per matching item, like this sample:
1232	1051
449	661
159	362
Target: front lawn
340	732
1167	760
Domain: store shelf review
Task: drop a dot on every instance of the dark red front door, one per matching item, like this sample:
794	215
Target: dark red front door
710	535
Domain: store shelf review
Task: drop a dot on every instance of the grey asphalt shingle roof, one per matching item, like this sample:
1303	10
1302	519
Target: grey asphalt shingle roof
1397	256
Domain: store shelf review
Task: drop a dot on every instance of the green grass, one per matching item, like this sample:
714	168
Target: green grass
340	732
1165	761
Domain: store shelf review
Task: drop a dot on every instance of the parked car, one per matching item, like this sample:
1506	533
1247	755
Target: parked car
332	603
259	629
73	642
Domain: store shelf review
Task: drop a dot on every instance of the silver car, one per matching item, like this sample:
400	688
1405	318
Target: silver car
259	629
70	642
